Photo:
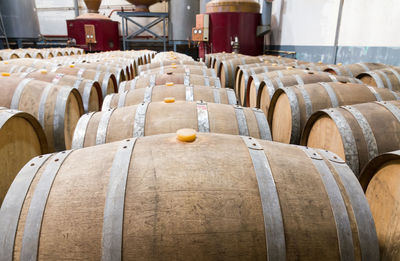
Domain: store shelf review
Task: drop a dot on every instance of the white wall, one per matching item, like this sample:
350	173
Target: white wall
53	14
313	22
370	23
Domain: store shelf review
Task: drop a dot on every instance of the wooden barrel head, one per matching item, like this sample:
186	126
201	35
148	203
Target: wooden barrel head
73	111
381	181
252	95
281	125
324	134
21	138
367	79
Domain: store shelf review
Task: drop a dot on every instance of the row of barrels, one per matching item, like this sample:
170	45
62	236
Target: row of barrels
186	195
7	54
192	195
40	110
352	111
123	65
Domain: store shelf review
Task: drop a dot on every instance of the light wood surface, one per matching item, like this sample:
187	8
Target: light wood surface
21	138
143	81
383	78
358	145
316	97
160	92
381	181
92	102
164	117
192	201
64	101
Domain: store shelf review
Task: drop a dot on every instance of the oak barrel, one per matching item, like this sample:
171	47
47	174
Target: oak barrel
21	139
107	80
179	91
260	95
152	118
219	197
227	70
189	69
353	70
383	78
254	81
291	107
357	133
155	65
57	108
89	90
144	81
380	180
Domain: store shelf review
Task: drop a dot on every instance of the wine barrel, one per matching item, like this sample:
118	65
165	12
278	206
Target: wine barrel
179	92
57	108
243	72
155	65
21	139
212	58
171	56
228	69
217	63
34	53
357	133
383	78
380	181
260	97
153	118
291	107
117	71
254	81
107	80
89	90
30	62
168	79
216	198
6	67
22	53
317	67
353	70
188	69
8	54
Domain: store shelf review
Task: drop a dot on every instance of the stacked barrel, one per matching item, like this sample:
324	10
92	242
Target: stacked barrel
47	53
172	167
41	107
351	110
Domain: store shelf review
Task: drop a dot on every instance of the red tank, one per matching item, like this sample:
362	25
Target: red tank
93	32
229	19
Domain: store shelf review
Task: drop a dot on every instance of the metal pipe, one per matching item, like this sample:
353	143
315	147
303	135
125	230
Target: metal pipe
76	7
337	33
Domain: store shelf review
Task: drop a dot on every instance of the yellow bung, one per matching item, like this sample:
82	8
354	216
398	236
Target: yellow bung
186	135
43	71
169	84
169	100
71	66
5	74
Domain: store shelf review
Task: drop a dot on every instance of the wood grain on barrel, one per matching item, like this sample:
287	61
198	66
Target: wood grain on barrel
208	208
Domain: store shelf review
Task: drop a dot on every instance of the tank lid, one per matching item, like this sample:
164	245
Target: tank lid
242	6
143	5
93	16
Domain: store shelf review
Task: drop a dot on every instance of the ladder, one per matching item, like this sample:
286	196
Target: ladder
3	31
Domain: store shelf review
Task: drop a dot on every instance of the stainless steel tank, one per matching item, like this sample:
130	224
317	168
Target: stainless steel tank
20	19
182	18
